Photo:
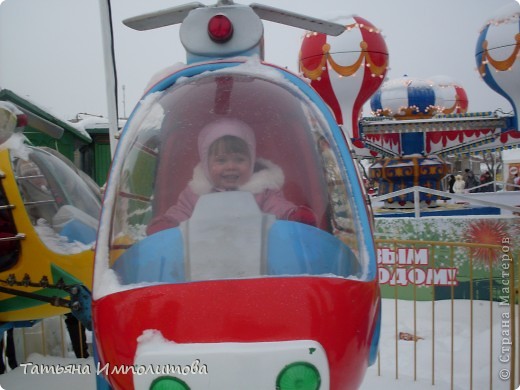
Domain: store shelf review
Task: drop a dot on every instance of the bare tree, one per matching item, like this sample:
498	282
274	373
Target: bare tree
493	161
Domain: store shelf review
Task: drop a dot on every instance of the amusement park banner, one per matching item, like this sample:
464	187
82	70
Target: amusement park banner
436	258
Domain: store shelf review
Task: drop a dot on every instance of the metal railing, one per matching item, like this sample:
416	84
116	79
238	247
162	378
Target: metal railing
416	190
48	337
501	347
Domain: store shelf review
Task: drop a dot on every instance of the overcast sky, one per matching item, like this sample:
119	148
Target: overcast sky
51	50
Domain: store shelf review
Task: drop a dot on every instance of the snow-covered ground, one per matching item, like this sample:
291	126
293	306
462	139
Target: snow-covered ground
487	351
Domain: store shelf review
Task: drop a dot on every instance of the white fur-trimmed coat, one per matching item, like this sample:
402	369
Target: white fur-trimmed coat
265	184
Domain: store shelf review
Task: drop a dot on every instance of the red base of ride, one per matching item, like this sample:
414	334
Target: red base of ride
339	314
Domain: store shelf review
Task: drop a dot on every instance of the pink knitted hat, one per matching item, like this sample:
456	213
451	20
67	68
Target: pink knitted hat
220	128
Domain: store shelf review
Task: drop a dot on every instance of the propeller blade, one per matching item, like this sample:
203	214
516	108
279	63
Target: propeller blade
166	17
41	124
296	20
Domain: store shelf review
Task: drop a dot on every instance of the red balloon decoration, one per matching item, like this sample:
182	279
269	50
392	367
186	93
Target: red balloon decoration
346	70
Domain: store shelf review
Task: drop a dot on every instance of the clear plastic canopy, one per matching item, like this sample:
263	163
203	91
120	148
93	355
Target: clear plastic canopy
233	234
58	201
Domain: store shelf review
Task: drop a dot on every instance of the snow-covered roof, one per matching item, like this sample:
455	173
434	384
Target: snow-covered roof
89	122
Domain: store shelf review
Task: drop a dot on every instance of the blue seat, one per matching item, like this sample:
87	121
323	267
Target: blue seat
157	258
77	231
299	249
293	249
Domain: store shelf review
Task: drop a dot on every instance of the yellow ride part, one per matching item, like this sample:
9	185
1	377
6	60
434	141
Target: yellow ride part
36	261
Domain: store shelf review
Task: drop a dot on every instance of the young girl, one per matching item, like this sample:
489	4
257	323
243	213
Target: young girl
227	150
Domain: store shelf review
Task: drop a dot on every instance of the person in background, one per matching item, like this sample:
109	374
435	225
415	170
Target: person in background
470	180
10	353
486	178
78	337
459	185
227	151
451	182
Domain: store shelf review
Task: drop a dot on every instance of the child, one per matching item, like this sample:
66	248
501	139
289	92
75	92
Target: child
227	150
458	186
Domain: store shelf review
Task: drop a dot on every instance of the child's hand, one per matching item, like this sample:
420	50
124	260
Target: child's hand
161	223
303	214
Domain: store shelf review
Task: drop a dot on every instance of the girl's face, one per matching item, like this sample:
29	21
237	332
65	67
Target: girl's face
229	170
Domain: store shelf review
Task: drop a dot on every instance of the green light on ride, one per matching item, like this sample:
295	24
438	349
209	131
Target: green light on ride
298	376
168	383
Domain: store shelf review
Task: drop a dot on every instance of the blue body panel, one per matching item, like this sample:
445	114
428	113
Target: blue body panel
292	249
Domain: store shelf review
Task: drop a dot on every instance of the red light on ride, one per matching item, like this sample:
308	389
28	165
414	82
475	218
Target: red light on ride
220	28
21	120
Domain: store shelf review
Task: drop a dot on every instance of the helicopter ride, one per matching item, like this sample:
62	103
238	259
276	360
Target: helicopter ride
49	217
235	246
